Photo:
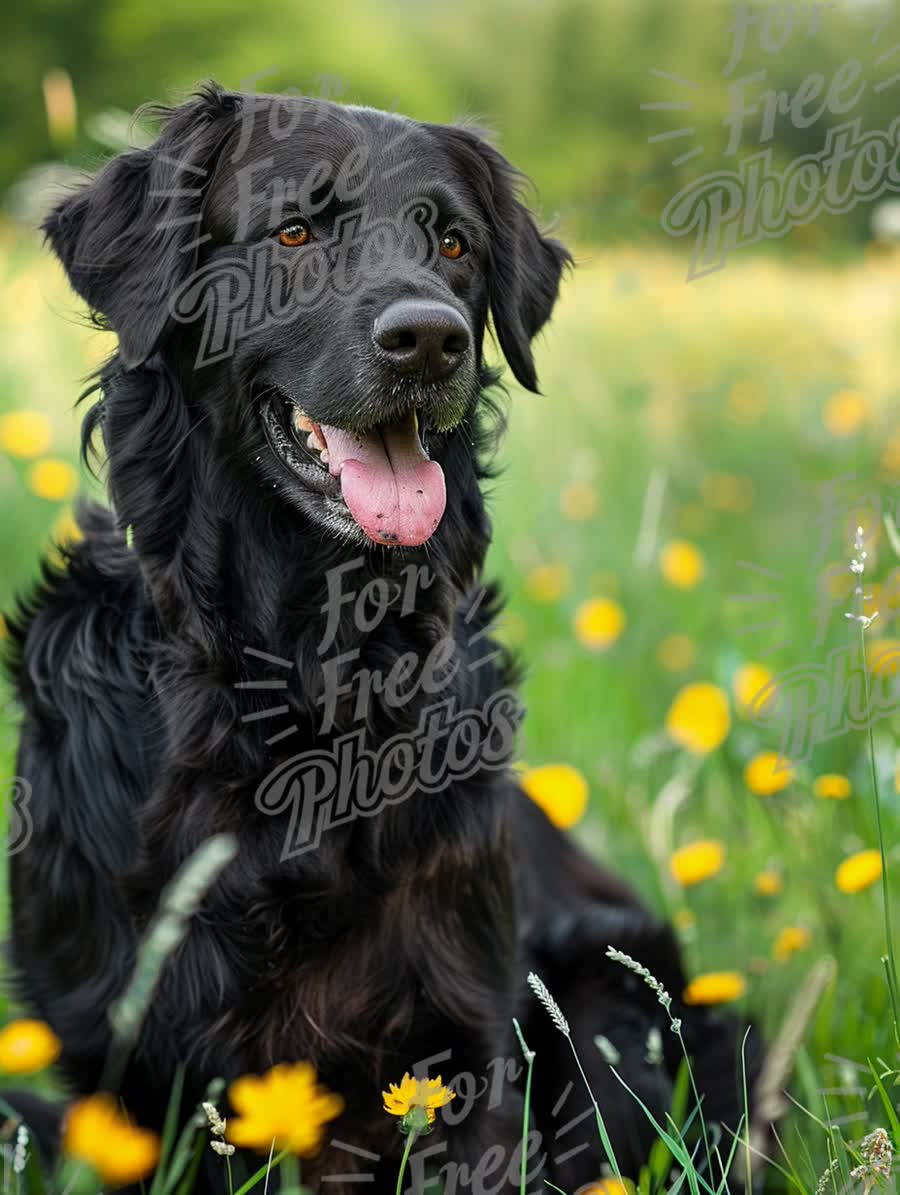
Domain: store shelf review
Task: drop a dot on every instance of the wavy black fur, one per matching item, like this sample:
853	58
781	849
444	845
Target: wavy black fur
404	935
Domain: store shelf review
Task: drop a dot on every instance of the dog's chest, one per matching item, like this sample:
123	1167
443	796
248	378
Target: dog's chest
405	968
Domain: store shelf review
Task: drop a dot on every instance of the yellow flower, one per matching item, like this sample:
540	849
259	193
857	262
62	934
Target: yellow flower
64	534
27	1046
416	1095
768	882
25	433
683	919
286	1105
96	1132
697	861
560	790
4	630
715	987
844	413
682	564
768	773
608	1186
832	787
547	582
52	479
882	656
858	871
676	652
698	718
791	939
578	500
599	622
66	530
748	686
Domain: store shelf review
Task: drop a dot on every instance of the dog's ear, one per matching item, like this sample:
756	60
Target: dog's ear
129	238
526	267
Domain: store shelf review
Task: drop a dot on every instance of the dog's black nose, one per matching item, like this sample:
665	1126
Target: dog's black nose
418	337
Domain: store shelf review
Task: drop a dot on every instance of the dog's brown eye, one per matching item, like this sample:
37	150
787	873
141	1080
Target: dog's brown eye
298	232
452	245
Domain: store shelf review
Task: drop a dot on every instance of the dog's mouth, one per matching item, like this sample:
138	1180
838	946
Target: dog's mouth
384	476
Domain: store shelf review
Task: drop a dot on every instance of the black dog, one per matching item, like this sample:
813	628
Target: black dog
298	412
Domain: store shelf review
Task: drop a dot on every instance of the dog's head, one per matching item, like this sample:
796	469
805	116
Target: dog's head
319	278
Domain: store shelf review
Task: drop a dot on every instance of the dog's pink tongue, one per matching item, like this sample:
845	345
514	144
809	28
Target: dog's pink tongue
392	489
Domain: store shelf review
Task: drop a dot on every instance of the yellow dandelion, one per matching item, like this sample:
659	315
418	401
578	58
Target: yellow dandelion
52	479
883	656
26	1046
698	718
832	787
697	861
25	433
791	939
4	630
858	871
286	1105
64	534
96	1132
676	652
682	564
578	500
608	1186
599	622
66	530
560	790
683	919
844	413
750	686
715	987
768	882
547	582
415	1101
768	773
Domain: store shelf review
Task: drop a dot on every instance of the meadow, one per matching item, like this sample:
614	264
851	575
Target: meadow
674	523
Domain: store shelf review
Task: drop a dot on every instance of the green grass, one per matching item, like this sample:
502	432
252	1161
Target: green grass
644	375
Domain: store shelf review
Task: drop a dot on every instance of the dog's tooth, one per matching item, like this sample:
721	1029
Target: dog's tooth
324	455
301	422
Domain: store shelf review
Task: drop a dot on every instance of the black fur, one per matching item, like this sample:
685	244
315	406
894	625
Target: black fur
402	935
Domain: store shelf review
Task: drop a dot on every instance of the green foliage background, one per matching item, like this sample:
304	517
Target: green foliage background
561	80
643	375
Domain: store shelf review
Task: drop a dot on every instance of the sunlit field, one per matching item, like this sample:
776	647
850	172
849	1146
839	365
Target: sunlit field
674	523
